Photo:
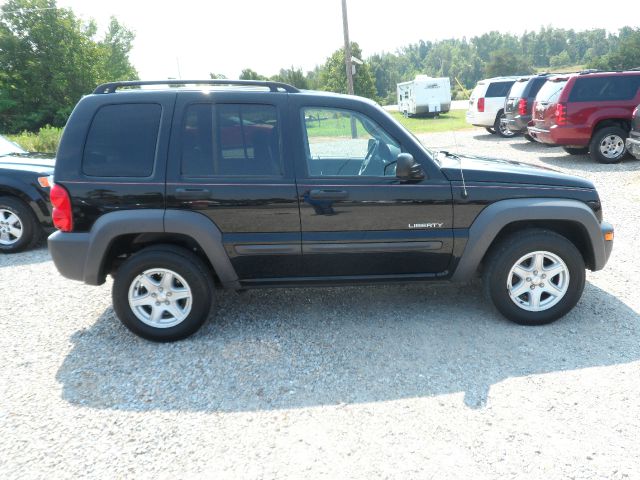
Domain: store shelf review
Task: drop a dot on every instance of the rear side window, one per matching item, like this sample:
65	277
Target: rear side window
598	89
535	86
230	140
122	141
499	89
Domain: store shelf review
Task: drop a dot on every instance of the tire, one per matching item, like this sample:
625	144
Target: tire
167	270
513	253
576	151
19	228
501	127
608	145
529	138
490	130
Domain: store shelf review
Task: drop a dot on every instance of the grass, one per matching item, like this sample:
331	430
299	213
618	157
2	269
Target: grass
45	141
454	120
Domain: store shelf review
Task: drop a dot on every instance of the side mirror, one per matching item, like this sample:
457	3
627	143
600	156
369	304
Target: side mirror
407	168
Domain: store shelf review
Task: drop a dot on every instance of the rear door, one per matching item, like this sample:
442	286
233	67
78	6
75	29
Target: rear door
229	161
357	218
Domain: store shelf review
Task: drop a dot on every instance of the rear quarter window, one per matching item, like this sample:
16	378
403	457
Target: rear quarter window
550	91
122	141
499	89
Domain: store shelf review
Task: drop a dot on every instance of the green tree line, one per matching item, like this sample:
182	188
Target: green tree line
49	58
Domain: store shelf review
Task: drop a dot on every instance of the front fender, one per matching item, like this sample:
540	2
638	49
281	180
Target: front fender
496	216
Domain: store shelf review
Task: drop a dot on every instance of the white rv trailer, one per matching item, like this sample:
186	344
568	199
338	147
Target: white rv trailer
424	95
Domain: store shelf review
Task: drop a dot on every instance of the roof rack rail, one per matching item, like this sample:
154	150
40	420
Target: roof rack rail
589	70
111	87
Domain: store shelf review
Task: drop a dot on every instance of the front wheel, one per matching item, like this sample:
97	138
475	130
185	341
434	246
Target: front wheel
534	277
19	229
163	293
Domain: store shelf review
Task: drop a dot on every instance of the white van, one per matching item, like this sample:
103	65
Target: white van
424	95
486	105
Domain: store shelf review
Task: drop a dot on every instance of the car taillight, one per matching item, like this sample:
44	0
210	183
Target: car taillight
62	216
481	104
561	114
522	106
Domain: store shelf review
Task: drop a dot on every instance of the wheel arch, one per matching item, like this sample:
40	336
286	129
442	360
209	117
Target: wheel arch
571	218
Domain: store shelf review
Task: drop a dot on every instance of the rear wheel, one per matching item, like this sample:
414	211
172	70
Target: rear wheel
534	277
19	229
576	151
501	127
608	145
490	130
163	293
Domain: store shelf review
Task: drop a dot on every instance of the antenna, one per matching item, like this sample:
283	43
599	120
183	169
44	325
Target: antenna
465	194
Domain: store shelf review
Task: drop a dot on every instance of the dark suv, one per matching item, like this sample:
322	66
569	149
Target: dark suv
179	191
589	112
519	103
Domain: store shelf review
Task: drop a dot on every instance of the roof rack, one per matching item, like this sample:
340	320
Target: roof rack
111	87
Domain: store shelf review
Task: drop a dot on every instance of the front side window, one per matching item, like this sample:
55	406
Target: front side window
346	143
122	141
230	140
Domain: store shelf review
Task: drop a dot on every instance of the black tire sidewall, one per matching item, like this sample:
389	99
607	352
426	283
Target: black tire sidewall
490	130
183	263
516	247
594	145
29	225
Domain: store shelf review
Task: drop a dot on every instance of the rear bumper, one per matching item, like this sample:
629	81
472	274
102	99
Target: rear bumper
517	123
481	119
633	146
69	252
562	135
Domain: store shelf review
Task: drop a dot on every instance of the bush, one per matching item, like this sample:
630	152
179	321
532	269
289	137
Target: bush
45	141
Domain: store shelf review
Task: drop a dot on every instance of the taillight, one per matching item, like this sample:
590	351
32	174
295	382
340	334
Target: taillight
62	217
522	106
561	114
481	104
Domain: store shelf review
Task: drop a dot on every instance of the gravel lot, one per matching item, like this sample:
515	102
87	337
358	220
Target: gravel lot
367	382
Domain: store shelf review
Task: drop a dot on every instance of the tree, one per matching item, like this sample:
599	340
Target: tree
505	62
248	74
49	59
625	56
292	76
217	76
333	77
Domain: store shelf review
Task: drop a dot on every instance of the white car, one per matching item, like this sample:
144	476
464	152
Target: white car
486	105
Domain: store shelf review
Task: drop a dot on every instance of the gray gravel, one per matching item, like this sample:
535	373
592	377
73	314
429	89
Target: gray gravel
362	382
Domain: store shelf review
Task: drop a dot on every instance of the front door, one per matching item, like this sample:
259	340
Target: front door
357	218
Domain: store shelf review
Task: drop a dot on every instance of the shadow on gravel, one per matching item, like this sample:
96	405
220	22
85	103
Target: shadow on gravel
39	254
526	146
585	162
488	137
278	349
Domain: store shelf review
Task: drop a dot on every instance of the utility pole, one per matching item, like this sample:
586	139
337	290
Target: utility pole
347	48
348	64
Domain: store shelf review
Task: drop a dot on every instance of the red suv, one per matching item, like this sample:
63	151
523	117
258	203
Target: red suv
587	112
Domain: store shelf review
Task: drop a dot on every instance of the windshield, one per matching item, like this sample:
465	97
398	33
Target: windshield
7	147
550	91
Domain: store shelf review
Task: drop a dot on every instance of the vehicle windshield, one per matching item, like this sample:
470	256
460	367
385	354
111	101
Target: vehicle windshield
7	147
550	91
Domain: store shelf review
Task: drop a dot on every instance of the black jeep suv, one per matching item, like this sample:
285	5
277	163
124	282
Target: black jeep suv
236	184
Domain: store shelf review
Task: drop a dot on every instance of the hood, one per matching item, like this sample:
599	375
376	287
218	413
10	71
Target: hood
31	162
484	169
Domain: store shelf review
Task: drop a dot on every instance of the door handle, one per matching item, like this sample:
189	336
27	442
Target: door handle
328	194
192	193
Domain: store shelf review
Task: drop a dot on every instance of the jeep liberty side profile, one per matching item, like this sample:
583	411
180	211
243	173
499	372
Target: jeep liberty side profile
177	192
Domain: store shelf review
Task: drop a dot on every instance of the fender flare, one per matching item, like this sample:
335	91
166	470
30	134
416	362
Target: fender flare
195	225
495	217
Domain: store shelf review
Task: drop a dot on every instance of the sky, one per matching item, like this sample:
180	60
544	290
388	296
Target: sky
190	38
